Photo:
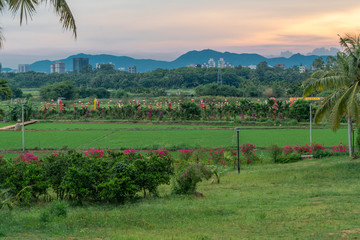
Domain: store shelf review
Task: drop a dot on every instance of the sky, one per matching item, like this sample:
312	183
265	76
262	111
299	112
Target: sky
165	29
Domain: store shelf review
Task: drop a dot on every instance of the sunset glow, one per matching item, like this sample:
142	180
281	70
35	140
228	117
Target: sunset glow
162	29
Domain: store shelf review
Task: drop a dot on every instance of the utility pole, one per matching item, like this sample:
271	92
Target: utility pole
310	125
23	126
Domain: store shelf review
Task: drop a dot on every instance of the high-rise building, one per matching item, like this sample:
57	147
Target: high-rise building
132	69
24	68
0	67
221	63
302	69
52	68
79	63
57	67
211	63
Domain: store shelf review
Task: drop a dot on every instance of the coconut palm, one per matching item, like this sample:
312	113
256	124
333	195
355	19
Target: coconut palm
27	8
343	80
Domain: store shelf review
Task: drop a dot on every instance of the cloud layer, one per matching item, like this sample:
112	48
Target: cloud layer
167	28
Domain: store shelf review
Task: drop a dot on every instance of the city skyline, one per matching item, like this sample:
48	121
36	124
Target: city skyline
163	30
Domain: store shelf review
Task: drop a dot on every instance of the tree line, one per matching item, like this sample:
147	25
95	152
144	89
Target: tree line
238	81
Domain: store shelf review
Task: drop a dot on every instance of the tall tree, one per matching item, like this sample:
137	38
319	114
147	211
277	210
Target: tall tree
5	91
343	80
27	8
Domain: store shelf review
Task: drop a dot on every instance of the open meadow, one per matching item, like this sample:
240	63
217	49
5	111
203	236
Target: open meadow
311	199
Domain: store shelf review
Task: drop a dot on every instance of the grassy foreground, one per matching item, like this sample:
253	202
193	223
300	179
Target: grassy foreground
311	199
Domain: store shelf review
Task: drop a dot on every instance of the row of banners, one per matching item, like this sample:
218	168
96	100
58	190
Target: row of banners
307	98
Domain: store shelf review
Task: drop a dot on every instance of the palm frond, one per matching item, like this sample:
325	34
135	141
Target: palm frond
326	107
66	17
27	8
320	81
343	106
2	39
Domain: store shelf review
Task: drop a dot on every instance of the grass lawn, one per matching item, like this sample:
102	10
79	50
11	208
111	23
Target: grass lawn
114	126
311	199
169	138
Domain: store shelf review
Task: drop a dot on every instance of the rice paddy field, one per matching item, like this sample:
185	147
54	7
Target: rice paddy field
80	136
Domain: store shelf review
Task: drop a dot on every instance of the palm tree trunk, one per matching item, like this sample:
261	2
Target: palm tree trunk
349	136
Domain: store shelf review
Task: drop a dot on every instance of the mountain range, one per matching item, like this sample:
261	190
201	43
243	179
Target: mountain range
191	57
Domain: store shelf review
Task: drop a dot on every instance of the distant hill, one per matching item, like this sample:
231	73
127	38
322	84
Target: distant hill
7	70
192	57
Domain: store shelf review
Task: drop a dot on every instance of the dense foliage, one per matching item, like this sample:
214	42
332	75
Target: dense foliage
237	81
164	109
96	175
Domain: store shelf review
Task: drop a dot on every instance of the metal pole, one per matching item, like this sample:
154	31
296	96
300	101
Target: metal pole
23	126
238	146
353	142
310	125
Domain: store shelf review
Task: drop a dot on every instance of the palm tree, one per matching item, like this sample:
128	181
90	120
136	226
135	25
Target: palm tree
343	80
27	8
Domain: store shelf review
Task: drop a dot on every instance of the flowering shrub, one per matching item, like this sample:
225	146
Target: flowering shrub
1	158
98	153
248	151
316	147
162	152
28	158
129	151
303	149
185	154
216	156
339	148
287	150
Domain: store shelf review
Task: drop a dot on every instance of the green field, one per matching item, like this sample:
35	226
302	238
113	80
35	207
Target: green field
114	126
311	199
146	136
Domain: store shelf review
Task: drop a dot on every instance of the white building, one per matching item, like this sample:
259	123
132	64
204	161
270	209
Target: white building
98	65
302	69
23	68
57	67
221	63
211	63
132	69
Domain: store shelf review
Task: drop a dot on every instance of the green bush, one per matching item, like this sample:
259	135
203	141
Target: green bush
120	185
292	157
23	179
153	171
190	111
188	176
55	166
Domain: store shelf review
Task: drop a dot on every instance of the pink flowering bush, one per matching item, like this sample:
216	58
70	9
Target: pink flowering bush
248	151
185	154
303	149
339	148
129	151
287	150
27	158
216	156
98	153
163	152
317	147
2	159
